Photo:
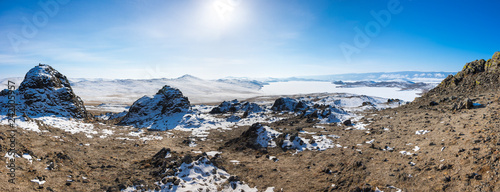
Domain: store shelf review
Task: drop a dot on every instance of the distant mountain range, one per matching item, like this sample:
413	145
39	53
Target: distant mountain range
413	76
199	90
249	82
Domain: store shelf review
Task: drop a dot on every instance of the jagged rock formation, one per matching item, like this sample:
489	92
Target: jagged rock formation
476	77
46	92
235	106
163	111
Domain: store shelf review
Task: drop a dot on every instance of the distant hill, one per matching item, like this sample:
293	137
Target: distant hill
414	76
97	90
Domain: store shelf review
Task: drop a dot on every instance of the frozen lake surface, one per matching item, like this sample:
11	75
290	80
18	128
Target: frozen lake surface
305	87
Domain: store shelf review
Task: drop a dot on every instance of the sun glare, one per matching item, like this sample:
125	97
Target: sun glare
222	16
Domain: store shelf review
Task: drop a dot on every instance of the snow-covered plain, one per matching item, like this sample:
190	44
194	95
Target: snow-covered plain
305	87
126	91
201	91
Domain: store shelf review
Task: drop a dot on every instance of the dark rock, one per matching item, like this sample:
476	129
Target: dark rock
347	122
301	106
367	103
393	100
62	156
364	189
235	106
162	153
233	178
447	179
187	159
478	177
177	182
433	103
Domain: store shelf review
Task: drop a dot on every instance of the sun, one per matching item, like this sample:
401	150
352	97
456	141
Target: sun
225	8
219	19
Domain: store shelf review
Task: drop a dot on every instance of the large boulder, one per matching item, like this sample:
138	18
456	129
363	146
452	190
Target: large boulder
46	92
162	111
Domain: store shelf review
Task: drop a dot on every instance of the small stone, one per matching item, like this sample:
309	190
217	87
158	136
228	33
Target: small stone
433	103
177	182
347	122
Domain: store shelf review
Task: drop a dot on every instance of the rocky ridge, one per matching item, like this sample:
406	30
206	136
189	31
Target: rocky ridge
476	77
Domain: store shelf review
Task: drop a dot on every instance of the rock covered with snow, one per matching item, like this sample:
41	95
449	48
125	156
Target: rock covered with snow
327	114
46	92
288	104
265	136
162	111
176	172
256	137
235	106
317	142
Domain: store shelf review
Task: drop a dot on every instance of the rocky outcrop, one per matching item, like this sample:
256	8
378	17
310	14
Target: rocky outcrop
162	111
477	77
46	92
327	114
235	106
479	73
256	137
288	104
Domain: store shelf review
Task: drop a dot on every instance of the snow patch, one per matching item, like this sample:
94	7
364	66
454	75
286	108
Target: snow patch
266	136
319	143
422	132
200	175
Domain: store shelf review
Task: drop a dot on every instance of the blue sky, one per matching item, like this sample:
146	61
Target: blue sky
243	38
